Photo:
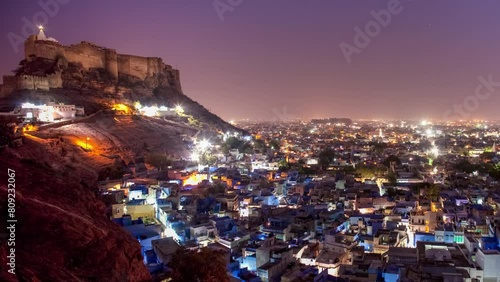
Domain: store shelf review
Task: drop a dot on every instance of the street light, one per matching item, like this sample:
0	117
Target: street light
86	143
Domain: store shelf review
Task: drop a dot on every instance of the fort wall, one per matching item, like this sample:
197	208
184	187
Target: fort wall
111	61
32	82
12	83
9	85
91	56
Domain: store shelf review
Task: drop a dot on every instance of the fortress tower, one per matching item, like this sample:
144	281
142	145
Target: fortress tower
111	62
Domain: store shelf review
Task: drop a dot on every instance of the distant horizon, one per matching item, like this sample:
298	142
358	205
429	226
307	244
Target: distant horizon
378	60
431	121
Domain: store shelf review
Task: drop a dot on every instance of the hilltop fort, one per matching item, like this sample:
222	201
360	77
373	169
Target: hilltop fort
87	57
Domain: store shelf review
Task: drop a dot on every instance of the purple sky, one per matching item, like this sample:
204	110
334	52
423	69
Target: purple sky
269	59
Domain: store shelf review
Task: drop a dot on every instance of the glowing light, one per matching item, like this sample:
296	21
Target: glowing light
435	151
121	107
84	144
31	106
150	111
30	127
169	232
195	157
204	144
194	179
40	27
137	106
179	109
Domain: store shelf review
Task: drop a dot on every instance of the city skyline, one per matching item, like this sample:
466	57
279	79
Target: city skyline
286	59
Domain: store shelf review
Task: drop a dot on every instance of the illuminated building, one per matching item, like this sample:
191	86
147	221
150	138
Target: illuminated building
49	112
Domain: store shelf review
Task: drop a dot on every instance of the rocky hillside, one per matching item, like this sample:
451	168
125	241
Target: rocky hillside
62	232
96	90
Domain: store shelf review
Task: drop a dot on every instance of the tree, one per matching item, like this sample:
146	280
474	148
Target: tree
274	144
231	144
6	135
392	178
200	265
391	158
433	192
378	148
260	145
207	158
160	161
283	165
306	170
487	156
494	172
326	157
464	166
425	144
217	188
391	192
367	172
111	172
430	190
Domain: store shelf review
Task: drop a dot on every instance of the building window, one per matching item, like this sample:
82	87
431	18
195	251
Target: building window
459	239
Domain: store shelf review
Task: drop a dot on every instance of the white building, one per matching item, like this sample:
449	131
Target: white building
49	112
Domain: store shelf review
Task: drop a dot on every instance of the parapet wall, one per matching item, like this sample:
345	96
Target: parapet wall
140	67
31	82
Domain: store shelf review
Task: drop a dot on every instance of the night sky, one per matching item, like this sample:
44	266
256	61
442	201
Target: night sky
275	59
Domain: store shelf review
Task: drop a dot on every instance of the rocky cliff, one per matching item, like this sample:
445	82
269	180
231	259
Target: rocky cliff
62	233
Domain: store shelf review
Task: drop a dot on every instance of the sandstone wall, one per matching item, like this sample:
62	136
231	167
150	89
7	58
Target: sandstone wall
133	65
33	82
90	56
49	50
9	85
30	82
111	60
87	54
